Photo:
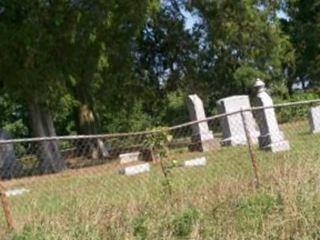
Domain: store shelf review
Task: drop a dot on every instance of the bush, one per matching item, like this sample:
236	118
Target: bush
184	222
286	114
140	230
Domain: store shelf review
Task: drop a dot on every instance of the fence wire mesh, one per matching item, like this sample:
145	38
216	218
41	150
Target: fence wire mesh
108	184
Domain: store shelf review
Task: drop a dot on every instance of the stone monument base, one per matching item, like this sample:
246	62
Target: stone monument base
274	143
241	140
204	142
233	141
315	131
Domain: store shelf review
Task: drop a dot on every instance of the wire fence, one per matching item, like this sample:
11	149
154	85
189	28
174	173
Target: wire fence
108	179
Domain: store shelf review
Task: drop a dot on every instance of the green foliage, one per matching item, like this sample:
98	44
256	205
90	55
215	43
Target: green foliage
303	27
128	119
133	71
247	75
286	114
225	207
140	230
30	233
246	42
158	141
13	117
252	210
184	222
175	111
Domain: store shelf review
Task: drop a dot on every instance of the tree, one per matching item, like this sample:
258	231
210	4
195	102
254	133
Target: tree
165	61
303	26
56	51
244	41
29	69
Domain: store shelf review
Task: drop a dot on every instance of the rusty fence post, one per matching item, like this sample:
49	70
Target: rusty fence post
250	149
5	207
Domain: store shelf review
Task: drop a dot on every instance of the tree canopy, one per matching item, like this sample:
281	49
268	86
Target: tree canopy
85	67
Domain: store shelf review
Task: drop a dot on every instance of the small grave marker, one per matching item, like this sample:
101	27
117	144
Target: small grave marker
15	192
314	119
202	161
137	169
129	157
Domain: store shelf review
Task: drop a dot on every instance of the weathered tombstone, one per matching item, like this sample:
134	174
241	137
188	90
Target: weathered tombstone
233	132
271	137
202	138
201	161
314	119
129	157
9	164
137	169
16	192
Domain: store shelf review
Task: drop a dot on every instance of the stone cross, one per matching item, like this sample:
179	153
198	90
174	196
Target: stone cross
233	132
314	119
202	138
271	137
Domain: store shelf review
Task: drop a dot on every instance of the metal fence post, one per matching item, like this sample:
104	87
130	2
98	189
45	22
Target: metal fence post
5	207
250	149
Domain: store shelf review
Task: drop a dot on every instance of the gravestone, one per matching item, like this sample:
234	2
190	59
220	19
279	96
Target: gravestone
129	157
233	132
271	137
9	165
201	161
16	192
103	149
137	169
314	119
202	138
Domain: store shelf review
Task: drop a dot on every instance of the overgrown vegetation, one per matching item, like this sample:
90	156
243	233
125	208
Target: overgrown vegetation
105	71
89	67
218	201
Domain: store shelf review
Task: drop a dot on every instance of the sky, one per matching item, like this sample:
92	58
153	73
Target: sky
191	19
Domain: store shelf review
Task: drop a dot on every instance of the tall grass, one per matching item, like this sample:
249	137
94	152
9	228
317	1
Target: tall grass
218	201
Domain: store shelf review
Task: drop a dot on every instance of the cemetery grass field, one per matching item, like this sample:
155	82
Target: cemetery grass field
218	201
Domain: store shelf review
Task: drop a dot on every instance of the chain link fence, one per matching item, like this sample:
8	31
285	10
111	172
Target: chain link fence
108	185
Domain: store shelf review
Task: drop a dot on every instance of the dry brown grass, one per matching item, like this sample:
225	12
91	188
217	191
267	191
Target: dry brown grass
218	201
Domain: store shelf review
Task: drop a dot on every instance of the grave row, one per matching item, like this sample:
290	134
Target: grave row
261	125
265	131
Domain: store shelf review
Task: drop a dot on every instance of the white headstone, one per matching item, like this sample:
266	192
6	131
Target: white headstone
103	150
129	157
133	170
233	132
15	192
314	119
202	161
202	137
271	137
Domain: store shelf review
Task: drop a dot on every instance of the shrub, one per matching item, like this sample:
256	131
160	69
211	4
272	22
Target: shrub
140	230
286	114
184	222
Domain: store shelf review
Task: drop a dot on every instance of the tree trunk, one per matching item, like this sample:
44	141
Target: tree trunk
86	123
42	126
